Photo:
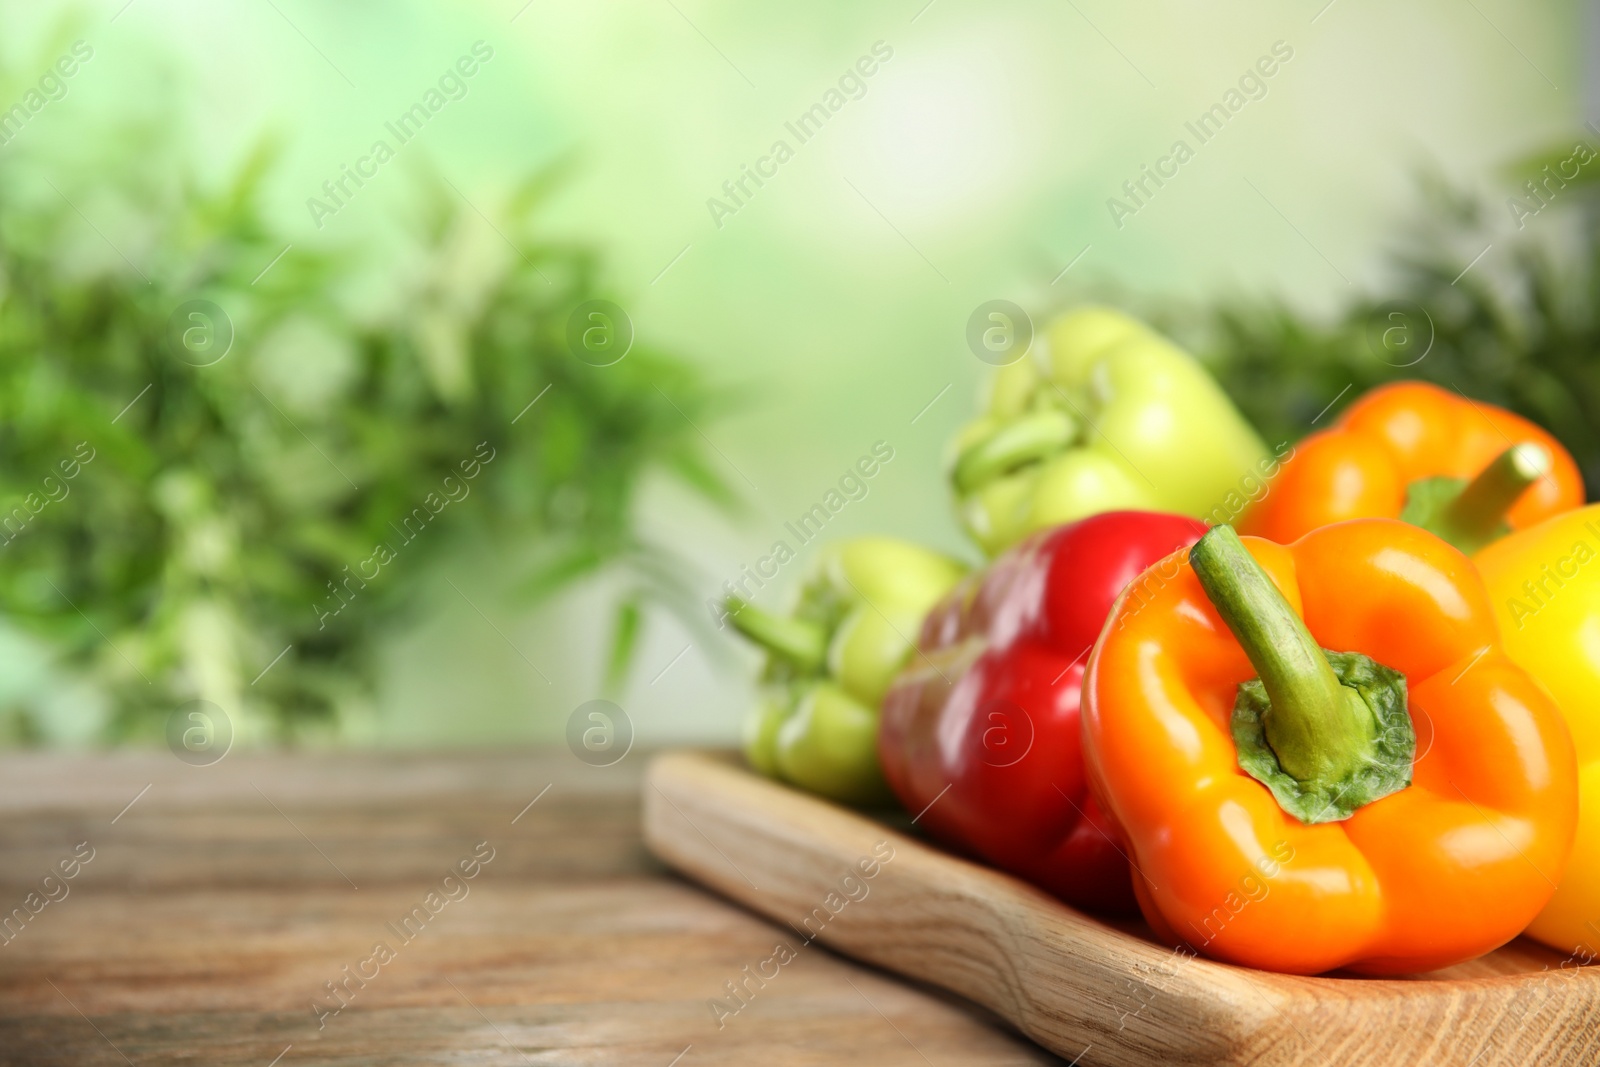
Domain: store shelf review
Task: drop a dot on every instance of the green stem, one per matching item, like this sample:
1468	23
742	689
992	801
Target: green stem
1320	729
805	644
1478	512
1030	438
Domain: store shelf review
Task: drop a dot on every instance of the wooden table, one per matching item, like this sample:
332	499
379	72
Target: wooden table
220	903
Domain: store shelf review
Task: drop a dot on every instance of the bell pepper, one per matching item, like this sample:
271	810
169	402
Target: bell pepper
830	661
1545	585
980	735
1113	416
1465	470
1321	756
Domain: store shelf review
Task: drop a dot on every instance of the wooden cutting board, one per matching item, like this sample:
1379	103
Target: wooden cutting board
1091	992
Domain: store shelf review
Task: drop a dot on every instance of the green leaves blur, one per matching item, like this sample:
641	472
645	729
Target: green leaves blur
1520	329
234	510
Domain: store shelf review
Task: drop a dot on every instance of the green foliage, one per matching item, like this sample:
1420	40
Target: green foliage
1519	329
218	514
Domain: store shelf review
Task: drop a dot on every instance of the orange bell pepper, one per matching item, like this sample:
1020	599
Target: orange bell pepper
1399	805
1412	451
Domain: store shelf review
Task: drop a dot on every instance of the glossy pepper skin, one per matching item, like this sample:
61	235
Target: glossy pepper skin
1545	584
831	660
1103	414
1391	447
981	733
1443	870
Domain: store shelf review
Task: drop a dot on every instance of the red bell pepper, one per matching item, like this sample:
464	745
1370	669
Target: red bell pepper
979	737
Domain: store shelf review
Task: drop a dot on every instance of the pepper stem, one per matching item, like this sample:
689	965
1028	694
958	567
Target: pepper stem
805	644
1479	511
1024	440
1320	730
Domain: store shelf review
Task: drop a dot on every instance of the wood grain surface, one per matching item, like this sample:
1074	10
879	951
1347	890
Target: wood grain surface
220	901
1079	986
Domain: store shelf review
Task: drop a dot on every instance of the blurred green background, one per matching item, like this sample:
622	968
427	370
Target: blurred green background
828	312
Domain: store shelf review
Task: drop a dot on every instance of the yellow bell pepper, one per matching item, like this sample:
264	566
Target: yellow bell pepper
1545	581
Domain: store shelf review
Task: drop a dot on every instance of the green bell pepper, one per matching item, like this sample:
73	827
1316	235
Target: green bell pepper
1111	416
830	661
